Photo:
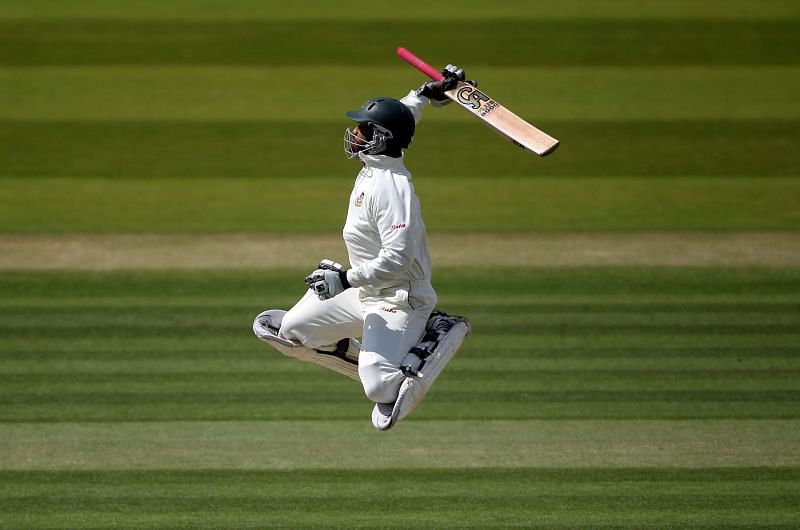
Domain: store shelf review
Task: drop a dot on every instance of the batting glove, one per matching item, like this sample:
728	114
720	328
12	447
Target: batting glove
435	90
328	280
454	72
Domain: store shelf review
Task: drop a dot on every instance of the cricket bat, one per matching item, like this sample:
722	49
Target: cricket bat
492	113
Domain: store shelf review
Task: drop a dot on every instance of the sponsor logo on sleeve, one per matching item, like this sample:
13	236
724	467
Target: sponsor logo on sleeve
398	226
360	200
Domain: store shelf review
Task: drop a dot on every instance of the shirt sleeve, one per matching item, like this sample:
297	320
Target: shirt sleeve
415	104
391	208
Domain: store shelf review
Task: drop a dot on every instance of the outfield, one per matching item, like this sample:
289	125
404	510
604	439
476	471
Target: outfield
170	169
593	397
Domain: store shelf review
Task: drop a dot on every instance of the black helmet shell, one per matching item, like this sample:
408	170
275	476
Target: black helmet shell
390	114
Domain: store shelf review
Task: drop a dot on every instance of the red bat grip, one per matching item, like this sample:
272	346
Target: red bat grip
419	64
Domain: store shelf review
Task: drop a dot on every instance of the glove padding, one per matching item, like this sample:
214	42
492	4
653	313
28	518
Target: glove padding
435	90
328	280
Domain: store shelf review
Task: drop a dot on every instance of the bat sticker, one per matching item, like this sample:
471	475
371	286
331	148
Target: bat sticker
471	96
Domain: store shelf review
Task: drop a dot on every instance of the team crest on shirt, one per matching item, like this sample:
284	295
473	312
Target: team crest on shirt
360	200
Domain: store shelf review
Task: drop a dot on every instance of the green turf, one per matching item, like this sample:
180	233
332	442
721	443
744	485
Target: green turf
242	149
226	93
583	343
281	206
301	444
274	42
601	397
700	91
457	498
614	397
416	10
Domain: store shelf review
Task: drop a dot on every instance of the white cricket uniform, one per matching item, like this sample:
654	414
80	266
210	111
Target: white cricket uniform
390	273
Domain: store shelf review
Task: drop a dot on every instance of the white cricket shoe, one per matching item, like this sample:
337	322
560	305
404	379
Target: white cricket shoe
382	416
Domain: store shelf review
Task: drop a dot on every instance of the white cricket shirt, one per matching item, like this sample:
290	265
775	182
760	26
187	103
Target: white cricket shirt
384	233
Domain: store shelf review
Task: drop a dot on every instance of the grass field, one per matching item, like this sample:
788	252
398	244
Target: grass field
616	396
635	297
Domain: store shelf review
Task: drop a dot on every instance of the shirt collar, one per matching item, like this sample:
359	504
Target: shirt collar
383	162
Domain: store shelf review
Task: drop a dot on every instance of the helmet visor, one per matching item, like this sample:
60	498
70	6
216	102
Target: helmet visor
371	143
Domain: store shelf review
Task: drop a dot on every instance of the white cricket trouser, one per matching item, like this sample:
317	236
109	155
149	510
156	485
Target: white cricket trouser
390	324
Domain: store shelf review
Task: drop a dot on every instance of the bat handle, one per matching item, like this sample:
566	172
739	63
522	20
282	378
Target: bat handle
419	64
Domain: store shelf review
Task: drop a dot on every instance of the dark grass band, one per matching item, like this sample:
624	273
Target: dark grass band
515	42
274	149
471	497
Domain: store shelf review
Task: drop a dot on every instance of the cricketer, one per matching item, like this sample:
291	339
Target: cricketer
385	298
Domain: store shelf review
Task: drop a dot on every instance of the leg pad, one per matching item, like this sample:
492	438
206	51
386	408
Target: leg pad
342	358
443	338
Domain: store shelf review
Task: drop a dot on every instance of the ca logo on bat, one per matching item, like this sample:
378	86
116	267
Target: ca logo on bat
469	96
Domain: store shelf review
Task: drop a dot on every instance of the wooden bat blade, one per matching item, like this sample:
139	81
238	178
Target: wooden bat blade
502	120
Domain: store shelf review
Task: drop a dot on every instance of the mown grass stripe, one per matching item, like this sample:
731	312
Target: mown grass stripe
498	204
563	328
225	93
540	348
598	497
442	505
352	10
224	390
41	355
268	373
235	480
342	407
276	445
227	319
151	311
752	497
256	286
240	381
471	362
240	300
567	43
273	149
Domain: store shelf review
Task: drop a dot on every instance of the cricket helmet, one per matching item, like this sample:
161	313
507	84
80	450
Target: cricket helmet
392	125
